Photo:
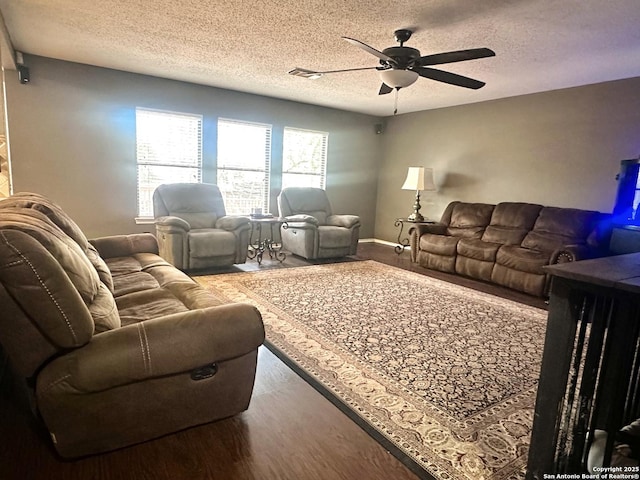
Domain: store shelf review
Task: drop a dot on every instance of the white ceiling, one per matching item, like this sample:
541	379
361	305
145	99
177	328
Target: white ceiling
250	45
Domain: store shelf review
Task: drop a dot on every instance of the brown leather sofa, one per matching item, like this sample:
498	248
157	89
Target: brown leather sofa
508	243
115	345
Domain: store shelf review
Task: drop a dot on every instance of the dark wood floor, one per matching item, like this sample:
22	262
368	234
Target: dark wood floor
290	431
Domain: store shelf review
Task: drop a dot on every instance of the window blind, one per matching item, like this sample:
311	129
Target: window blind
244	159
168	150
304	161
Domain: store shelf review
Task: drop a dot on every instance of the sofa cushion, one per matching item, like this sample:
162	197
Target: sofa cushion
133	282
64	222
101	267
478	249
439	244
510	222
556	227
522	259
104	310
469	219
52	211
147	304
55	283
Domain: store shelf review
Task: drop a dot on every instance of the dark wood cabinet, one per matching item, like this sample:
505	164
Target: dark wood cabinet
625	239
590	372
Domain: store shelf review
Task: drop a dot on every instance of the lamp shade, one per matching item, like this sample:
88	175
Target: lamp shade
419	178
398	78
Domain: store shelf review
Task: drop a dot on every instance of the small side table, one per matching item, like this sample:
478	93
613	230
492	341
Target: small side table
404	242
265	242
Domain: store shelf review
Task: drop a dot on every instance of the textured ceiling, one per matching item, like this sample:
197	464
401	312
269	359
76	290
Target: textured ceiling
250	45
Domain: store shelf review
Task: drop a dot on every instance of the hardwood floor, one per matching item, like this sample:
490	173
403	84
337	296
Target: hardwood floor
289	432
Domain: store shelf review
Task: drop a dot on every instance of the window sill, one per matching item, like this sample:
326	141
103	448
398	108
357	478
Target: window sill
145	221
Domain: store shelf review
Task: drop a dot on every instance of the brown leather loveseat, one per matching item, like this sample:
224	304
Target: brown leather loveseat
508	243
115	345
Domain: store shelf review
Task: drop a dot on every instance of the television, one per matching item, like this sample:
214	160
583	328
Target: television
626	210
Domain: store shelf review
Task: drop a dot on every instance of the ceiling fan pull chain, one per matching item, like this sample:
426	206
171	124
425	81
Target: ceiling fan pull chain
395	104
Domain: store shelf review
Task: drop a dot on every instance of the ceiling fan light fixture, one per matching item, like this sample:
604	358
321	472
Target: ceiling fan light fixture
396	78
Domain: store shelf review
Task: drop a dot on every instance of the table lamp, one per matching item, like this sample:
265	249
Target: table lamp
418	178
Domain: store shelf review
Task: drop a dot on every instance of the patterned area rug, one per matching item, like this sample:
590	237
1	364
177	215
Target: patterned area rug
444	373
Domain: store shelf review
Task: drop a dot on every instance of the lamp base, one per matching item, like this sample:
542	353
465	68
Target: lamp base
415	217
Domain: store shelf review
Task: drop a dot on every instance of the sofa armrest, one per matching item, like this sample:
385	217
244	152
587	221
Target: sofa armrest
570	253
171	221
421	228
125	245
163	346
346	221
232	222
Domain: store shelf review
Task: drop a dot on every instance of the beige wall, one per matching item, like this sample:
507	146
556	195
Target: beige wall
73	139
560	148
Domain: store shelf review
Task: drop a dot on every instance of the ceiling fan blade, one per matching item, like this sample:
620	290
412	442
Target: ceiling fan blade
448	77
457	56
349	70
314	75
369	49
384	89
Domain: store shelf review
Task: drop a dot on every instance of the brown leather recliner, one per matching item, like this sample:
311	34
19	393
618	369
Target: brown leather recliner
118	346
509	243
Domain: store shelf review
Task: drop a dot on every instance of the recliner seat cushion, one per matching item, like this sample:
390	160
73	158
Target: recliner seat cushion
133	282
334	237
211	242
439	244
522	259
147	304
478	249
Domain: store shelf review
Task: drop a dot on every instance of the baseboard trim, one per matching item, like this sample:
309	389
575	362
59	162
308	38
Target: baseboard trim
382	242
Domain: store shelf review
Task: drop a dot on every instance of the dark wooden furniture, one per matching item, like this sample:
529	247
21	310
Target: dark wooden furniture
625	239
404	242
267	241
591	363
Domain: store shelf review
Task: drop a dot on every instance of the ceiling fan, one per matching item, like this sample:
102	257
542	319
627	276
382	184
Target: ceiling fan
401	66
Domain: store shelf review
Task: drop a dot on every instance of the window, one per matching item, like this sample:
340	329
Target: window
304	158
168	150
244	156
